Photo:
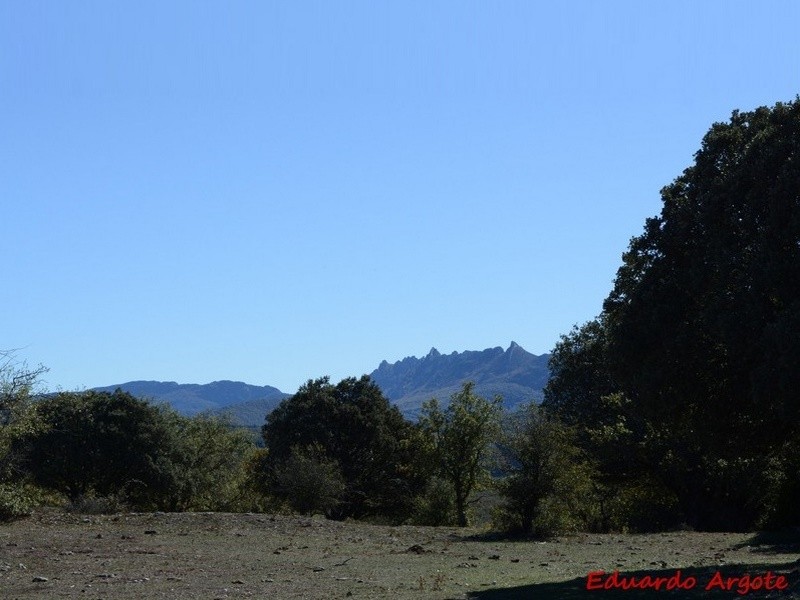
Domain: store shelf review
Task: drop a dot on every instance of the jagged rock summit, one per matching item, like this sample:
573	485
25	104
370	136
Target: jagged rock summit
515	374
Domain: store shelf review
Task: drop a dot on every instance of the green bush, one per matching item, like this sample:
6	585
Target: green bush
308	481
15	502
435	506
553	516
782	488
353	424
95	445
211	460
547	484
102	444
641	505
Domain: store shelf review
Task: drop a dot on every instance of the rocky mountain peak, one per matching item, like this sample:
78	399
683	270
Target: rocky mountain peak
515	374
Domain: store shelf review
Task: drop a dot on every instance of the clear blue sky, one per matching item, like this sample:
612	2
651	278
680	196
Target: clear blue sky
270	192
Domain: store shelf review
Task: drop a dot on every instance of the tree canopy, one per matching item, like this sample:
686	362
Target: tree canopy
18	383
353	425
547	483
701	331
101	442
115	445
460	434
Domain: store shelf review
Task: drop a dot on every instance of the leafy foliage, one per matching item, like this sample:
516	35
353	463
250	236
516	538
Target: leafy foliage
700	315
698	339
309	481
15	501
579	376
435	506
355	426
104	443
211	460
460	435
18	384
547	479
111	445
783	507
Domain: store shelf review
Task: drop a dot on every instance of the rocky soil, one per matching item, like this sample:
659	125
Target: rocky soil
194	556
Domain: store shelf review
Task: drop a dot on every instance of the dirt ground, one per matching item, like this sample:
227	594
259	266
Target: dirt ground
212	555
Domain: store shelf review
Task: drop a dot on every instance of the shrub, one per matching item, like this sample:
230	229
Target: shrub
211	460
435	506
547	482
309	481
353	424
103	444
15	502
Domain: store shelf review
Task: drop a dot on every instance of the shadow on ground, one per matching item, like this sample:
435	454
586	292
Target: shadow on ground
575	589
774	542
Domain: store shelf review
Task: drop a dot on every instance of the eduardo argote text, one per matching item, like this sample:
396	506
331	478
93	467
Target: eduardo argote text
741	584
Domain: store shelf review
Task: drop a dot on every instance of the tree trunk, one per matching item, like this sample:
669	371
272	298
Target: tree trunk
461	506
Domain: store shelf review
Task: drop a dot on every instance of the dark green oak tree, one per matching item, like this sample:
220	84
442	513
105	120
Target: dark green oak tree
701	331
352	425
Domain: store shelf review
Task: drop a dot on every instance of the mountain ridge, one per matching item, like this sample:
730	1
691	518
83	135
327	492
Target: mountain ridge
194	398
514	373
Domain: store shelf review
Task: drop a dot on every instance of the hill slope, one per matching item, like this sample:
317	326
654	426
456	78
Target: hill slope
246	404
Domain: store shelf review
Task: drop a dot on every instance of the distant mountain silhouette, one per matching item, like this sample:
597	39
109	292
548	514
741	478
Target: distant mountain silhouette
515	374
246	404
